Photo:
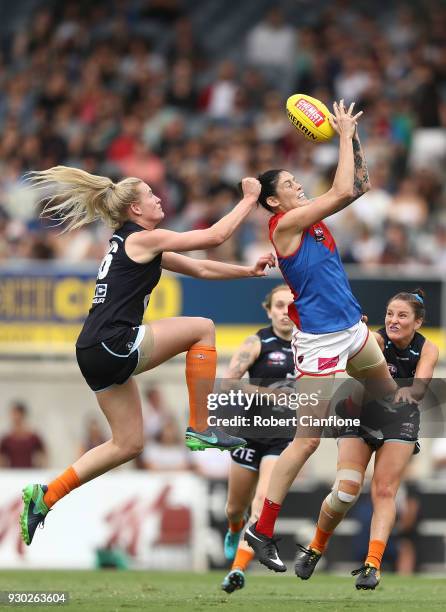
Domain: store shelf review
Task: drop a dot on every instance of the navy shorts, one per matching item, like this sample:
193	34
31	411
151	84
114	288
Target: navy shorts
252	454
391	423
112	361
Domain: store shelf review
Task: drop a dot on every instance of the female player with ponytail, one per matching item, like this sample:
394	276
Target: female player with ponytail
113	345
389	431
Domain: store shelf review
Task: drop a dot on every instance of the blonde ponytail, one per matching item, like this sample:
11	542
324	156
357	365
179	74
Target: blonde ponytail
80	198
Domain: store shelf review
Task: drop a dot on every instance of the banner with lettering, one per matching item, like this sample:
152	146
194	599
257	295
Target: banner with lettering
128	519
43	306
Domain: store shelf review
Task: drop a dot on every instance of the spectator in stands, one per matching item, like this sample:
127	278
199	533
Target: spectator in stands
218	99
21	447
212	465
93	436
353	79
156	413
433	247
272	124
366	249
408	207
167	452
397	249
85	87
271	44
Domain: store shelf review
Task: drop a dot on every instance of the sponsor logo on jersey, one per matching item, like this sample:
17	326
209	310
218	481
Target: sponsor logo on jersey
326	363
276	358
310	111
319	235
100	293
392	369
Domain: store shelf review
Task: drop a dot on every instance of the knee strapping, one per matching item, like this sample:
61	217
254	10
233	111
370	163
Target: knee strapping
346	489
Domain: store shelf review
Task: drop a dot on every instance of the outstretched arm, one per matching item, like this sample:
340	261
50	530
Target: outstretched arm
342	190
361	181
423	375
144	246
215	270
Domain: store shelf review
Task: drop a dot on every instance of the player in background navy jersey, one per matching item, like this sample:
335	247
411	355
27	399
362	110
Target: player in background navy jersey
114	345
329	335
389	430
268	358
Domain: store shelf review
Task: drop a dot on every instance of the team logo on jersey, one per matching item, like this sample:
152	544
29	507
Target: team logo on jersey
326	363
319	235
99	293
276	358
392	369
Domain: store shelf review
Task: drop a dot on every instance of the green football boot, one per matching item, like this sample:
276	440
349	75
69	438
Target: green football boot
212	438
34	511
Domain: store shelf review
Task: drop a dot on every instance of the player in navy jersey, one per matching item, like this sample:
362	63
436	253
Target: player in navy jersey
329	335
389	430
268	358
114	345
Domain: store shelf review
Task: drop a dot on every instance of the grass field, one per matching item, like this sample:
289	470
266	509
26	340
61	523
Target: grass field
125	590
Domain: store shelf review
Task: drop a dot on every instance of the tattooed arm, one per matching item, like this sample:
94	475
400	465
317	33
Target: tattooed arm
361	181
240	363
244	357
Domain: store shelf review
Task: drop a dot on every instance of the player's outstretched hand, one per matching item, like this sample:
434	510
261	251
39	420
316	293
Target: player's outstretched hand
251	188
263	262
404	394
343	121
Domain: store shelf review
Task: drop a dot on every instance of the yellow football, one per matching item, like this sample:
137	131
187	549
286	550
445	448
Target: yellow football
310	117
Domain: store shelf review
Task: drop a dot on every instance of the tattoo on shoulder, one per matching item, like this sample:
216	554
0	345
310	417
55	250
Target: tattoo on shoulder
252	340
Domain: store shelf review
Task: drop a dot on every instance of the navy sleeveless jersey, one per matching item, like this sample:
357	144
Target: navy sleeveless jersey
275	360
323	300
402	363
122	292
273	366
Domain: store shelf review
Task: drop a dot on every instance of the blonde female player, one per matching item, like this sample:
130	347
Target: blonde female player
391	434
329	336
268	357
113	344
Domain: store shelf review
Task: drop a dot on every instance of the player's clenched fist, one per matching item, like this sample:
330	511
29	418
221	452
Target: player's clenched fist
251	188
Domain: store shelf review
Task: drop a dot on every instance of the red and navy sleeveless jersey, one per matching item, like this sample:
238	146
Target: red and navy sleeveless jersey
122	292
323	300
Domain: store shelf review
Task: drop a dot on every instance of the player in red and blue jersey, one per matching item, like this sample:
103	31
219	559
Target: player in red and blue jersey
329	335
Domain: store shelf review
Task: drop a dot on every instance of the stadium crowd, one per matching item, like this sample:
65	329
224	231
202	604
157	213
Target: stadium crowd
131	87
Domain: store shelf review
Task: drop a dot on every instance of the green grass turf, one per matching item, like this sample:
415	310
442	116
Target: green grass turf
126	590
